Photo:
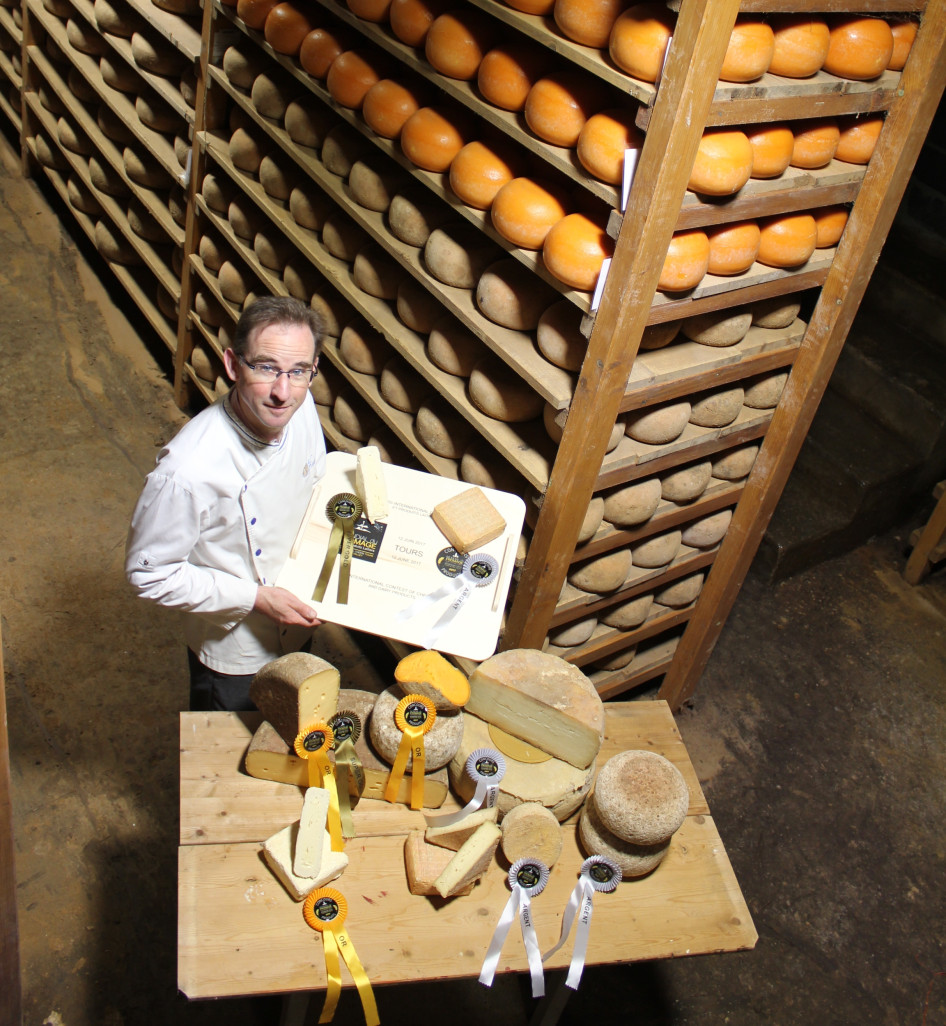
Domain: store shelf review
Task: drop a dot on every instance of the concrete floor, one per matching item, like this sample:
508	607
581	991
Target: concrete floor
818	732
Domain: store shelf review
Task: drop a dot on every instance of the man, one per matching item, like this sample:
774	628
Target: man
218	514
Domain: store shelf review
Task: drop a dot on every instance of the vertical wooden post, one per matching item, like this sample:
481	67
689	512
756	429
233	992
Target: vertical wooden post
11	995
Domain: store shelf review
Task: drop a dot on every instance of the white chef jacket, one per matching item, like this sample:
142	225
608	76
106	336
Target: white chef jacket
215	520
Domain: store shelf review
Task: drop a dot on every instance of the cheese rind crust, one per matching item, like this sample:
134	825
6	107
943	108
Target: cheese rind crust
294	691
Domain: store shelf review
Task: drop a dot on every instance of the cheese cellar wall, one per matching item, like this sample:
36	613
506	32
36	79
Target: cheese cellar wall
445	196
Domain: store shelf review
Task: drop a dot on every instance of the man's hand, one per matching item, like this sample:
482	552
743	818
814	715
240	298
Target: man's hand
283	607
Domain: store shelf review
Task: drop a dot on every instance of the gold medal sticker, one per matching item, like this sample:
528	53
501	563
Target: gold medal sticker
346	726
325	909
415	714
314	740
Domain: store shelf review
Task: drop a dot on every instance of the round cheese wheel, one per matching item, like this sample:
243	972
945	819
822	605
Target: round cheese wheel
310	207
859	48
603	573
245	152
307	122
72	139
733	247
441	429
531	831
113	246
156	55
750	50
772	147
656	336
602	142
102	175
372	189
681	593
572	634
413	215
507	73
500	394
591	521
362	348
254	12
114	19
272	250
387	105
558	335
342	237
787	241
723	163
574	250
232	282
402	387
204	366
376	272
703	534
416	307
657	551
904	34
117	129
659	425
370	10
390	448
764	393
322	46
452	347
687	483
80	87
585	23
686	263
271	95
559	105
540	7
458	254
481	169
241	66
300	279
508	293
441	742
457	41
351	75
274	177
84	38
816	142
717	409
410	20
641	797
119	75
324	390
639	39
155	114
333	312
801	44
829	225
341	147
61	8
555	784
432	136
177	208
629	614
777	312
209	310
525	209
735	465
617	660
554	420
632	504
858	138
481	465
354	417
187	8
80	198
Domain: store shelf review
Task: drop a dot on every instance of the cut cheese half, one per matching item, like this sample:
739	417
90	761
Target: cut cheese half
278	851
295	690
427	673
455	835
471	862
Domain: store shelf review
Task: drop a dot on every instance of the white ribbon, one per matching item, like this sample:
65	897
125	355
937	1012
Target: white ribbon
486	768
597	873
527	877
478	572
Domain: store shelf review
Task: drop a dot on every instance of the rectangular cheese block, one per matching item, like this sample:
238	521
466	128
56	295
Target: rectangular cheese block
307	856
369	483
296	691
457	834
471	862
278	852
423	863
468	520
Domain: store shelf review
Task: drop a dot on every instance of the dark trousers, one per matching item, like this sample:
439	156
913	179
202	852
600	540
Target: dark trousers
218	692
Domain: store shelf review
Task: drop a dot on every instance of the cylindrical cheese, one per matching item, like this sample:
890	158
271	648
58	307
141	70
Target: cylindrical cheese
717	409
641	797
632	504
660	425
707	531
502	395
657	551
603	573
687	483
441	742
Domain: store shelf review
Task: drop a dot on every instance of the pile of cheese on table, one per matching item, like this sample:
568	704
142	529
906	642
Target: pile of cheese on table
541	714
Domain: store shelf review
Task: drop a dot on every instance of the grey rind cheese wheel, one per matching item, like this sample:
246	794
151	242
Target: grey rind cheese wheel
341	147
633	860
681	593
232	282
656	336
412	216
631	613
510	294
310	207
559	338
576	633
140	170
657	551
245	151
376	272
245	219
707	531
777	312
402	386
591	521
81	199
343	238
242	66
308	122
556	784
500	394
458	254
300	279
603	573
371	189
764	393
79	86
156	114
105	178
531	831
113	245
209	310
76	142
157	55
275	178
416	307
632	504
641	797
354	417
333	312
215	193
143	224
363	348
84	38
441	742
272	249
717	409
719	328
119	75
617	660
271	96
660	425
442	430
735	465
687	483
453	347
115	20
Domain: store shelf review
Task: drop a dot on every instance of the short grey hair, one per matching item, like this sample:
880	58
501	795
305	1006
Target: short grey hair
270	310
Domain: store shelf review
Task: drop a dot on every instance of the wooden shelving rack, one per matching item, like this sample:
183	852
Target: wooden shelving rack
184	299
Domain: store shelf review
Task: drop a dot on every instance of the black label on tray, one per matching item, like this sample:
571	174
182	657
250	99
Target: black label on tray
367	539
450	562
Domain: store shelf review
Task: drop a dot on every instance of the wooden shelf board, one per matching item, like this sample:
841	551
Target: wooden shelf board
12	113
9	25
184	35
205	390
645	665
204	331
824	6
607	641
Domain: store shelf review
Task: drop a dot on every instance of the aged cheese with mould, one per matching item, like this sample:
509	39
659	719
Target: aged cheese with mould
307	854
369	483
440	742
717	409
541	699
632	859
603	573
294	691
471	862
631	613
531	831
686	484
468	520
556	784
424	863
641	797
657	551
278	852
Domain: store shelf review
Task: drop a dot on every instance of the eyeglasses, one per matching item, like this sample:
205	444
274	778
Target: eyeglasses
266	373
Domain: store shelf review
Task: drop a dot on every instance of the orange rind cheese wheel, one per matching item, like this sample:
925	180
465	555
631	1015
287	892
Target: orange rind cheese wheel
540	7
772	147
858	138
457	42
507	73
686	263
587	23
286	26
787	240
525	209
369	10
904	33
859	48
723	163
603	140
733	247
639	40
321	47
829	225
411	19
801	45
558	106
481	169
387	106
749	53
432	137
574	250
253	13
351	75
816	143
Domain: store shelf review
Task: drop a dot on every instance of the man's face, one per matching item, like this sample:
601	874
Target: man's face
267	407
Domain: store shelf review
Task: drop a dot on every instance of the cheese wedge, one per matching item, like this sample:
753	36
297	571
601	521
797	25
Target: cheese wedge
307	855
369	483
471	862
456	835
424	863
427	673
278	851
294	691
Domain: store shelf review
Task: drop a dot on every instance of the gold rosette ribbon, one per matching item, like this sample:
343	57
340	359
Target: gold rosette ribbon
325	910
414	716
346	729
343	510
312	744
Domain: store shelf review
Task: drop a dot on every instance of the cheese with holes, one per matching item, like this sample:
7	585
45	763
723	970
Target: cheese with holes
307	855
278	852
424	863
294	691
468	520
471	862
541	699
455	835
369	483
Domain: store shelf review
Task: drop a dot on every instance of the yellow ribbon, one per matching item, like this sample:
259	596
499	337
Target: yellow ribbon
325	910
312	744
346	727
414	716
343	510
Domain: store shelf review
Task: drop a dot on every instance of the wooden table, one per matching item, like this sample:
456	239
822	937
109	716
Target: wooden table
239	933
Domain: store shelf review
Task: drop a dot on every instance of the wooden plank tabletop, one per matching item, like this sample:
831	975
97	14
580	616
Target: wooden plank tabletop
239	933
